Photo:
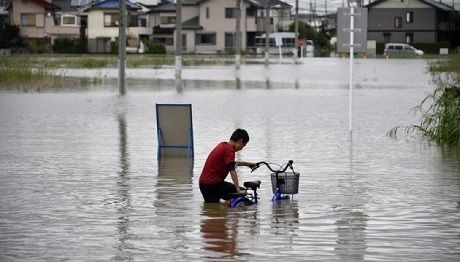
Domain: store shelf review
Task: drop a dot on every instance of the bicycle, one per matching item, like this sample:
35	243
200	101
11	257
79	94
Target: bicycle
283	184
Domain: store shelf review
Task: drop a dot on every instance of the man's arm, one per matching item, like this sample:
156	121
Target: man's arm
234	176
244	163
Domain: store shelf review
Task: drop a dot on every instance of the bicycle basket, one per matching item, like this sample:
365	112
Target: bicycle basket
288	182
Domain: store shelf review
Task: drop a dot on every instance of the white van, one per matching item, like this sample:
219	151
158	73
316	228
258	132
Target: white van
400	48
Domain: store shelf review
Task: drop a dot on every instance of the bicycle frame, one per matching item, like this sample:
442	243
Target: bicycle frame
251	199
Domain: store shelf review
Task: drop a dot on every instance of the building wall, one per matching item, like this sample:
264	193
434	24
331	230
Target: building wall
44	27
381	21
37	31
97	30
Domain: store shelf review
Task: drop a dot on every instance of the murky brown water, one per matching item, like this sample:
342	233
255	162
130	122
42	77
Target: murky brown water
79	178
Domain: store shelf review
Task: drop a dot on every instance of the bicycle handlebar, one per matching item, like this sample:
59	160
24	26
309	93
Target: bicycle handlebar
288	164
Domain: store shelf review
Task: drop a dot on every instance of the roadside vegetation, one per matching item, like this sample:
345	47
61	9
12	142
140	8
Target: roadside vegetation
440	110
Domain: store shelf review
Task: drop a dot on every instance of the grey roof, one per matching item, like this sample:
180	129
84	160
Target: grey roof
65	5
163	7
79	3
434	4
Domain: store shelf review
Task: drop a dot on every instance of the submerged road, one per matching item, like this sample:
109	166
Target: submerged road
333	72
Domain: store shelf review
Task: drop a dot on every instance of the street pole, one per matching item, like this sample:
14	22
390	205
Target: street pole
238	35
267	32
296	26
179	45
122	48
352	36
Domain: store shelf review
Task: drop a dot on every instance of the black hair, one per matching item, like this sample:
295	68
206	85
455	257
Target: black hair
240	134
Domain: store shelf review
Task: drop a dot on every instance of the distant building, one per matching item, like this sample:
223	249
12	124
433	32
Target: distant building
209	25
409	21
103	25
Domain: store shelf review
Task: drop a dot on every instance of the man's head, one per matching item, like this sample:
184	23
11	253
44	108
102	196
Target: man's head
240	138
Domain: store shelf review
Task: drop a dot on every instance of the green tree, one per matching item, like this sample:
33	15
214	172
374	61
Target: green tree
9	36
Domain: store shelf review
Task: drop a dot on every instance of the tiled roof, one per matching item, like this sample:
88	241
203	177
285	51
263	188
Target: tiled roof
114	4
434	4
163	7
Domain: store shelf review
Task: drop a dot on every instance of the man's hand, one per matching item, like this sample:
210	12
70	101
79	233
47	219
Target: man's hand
241	191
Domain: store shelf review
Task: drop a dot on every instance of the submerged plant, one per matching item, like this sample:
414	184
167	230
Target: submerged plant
440	111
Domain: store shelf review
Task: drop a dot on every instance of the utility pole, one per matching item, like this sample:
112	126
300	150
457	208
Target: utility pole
178	45
296	25
122	48
238	35
267	32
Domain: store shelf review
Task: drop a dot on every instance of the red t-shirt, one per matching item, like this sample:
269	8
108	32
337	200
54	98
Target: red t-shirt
215	168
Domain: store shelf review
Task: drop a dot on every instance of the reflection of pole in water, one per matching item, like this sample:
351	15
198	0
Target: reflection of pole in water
296	84
351	233
352	220
123	189
267	83
237	79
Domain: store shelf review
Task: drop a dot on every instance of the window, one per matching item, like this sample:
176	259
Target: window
28	20
142	21
205	38
409	38
111	19
230	12
132	20
207	12
398	22
166	20
386	37
251	12
409	17
230	40
2	2
69	20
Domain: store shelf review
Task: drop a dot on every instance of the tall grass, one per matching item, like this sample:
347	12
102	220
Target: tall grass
440	110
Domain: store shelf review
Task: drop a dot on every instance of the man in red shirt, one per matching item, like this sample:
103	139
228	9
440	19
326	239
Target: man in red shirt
219	163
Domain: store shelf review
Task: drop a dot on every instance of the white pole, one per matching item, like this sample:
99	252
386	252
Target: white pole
352	27
281	55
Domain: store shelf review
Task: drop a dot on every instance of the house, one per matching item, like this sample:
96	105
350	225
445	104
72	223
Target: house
409	21
45	20
208	26
103	20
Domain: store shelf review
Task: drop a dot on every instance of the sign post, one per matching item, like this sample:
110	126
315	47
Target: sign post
354	41
279	44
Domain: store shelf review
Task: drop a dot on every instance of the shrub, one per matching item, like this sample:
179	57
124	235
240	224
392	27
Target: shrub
69	46
153	47
440	121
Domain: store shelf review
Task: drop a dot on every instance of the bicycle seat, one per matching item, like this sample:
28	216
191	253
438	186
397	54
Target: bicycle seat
252	184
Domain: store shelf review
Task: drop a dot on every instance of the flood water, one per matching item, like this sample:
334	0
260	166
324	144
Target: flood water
80	178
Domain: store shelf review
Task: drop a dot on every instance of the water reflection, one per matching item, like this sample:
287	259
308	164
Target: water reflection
219	232
285	220
351	223
123	189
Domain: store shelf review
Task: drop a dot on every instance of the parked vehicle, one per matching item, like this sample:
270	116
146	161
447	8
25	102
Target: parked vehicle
284	39
401	48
